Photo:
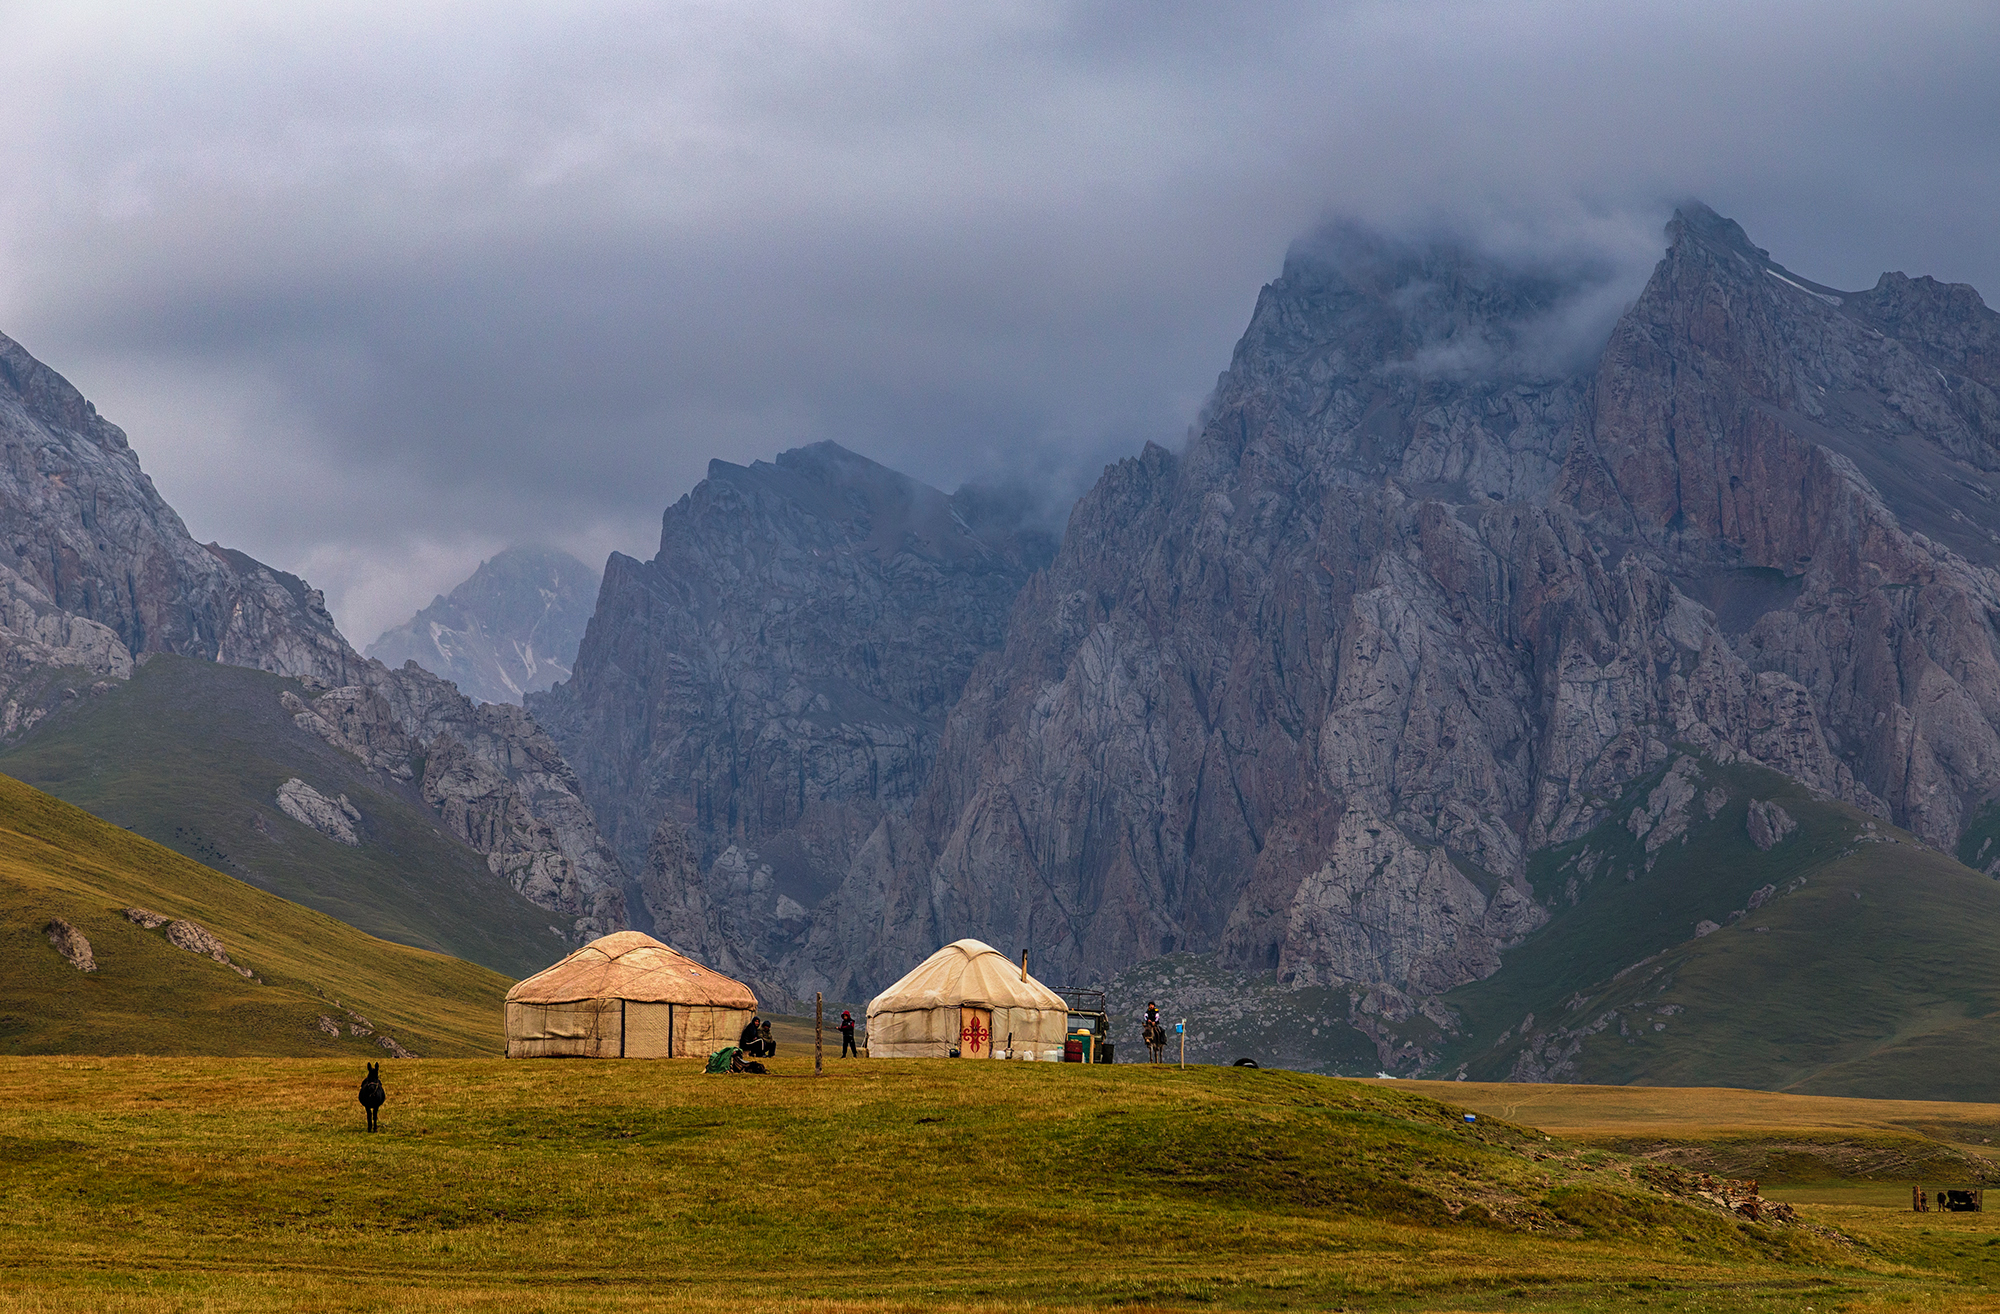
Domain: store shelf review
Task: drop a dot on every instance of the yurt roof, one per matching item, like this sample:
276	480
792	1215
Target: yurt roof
966	972
631	965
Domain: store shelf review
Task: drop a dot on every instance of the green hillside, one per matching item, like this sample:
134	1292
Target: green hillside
1872	969
191	753
149	997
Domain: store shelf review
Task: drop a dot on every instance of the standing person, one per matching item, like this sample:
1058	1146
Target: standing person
847	1035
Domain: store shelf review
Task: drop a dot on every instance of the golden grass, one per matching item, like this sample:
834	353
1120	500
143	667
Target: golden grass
247	1184
1775	1138
1664	1110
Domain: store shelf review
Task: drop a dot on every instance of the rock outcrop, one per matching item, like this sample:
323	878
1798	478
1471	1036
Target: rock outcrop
191	937
1768	825
331	817
510	630
751	703
70	943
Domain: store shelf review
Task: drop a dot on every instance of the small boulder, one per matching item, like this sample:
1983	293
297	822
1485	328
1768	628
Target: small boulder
69	942
191	936
331	817
1768	824
1705	927
196	939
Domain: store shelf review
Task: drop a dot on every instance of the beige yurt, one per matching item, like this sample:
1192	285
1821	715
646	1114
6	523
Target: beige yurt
626	995
970	996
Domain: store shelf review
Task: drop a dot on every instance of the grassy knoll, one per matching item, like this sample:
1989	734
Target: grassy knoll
148	997
191	753
1872	967
240	1184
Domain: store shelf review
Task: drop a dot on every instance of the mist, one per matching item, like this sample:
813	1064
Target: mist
377	290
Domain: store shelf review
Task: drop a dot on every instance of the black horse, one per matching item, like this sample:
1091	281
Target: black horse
372	1093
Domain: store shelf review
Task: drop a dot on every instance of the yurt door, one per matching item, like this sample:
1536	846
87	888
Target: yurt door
975	1032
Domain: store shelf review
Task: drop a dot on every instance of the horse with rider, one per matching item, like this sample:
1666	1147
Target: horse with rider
1154	1032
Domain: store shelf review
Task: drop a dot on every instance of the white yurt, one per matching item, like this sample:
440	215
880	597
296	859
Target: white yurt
971	997
626	995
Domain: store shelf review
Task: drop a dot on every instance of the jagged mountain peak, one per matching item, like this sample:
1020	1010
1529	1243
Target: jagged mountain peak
1695	220
1442	307
1731	255
510	628
831	499
52	397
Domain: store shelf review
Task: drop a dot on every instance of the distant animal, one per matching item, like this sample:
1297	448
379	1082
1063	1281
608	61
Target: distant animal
372	1093
1155	1037
1244	1063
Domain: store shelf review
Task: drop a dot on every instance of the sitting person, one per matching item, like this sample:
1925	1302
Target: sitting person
748	1040
766	1047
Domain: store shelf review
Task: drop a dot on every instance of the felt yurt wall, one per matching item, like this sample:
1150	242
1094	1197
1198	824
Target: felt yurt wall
625	995
970	996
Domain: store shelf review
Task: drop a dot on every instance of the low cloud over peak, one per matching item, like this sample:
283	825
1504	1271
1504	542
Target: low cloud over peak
378	289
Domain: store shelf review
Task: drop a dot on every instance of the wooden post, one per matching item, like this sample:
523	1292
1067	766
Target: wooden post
1024	964
819	1034
1183	1042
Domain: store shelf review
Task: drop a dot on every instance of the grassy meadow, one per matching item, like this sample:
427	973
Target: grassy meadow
148	997
249	1184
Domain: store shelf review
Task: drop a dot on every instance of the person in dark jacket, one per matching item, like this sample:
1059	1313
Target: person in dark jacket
748	1040
766	1047
847	1045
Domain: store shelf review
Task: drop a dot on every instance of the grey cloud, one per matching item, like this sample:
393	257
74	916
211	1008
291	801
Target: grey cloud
378	289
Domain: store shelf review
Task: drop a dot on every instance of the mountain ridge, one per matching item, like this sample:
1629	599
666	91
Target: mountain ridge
103	572
1426	596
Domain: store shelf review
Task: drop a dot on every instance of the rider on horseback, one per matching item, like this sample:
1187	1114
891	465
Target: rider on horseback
1154	1033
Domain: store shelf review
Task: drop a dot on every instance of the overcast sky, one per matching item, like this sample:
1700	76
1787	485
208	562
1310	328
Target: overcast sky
377	289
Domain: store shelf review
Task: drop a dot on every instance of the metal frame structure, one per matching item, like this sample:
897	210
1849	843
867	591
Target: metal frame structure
1086	1003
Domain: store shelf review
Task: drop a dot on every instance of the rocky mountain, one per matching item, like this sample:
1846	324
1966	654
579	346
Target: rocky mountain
1416	603
1435	587
102	572
509	630
97	566
749	705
